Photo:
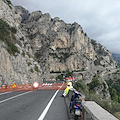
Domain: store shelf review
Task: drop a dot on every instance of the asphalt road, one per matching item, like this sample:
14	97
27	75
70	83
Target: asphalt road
31	105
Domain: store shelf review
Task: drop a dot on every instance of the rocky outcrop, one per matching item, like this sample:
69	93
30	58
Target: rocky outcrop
8	13
23	12
47	45
19	69
17	61
65	47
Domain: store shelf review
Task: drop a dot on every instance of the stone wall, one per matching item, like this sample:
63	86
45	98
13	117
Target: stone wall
91	110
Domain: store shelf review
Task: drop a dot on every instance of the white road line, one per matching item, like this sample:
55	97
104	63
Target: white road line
14	97
48	106
4	93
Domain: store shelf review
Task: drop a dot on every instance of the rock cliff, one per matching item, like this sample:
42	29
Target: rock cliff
17	62
48	45
59	46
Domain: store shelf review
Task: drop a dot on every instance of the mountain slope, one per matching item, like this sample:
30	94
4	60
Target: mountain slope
48	45
59	46
17	62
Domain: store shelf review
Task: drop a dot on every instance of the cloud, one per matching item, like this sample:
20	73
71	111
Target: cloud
99	18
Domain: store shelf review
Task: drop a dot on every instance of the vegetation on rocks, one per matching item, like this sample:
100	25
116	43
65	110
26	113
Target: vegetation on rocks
114	87
9	3
36	68
62	56
95	83
113	105
93	42
55	44
65	73
7	36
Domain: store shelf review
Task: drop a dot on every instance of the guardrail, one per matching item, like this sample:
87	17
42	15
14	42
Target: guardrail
91	110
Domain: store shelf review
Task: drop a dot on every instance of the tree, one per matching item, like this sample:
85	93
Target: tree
114	96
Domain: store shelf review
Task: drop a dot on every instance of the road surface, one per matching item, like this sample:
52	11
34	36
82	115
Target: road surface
33	105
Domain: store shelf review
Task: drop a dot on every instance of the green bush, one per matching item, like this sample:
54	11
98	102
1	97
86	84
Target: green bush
12	49
93	42
59	77
80	86
68	74
4	30
36	68
13	30
29	63
94	83
114	96
115	107
105	104
114	88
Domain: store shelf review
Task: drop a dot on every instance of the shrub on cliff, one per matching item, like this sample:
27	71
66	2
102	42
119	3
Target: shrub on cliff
95	83
111	106
7	36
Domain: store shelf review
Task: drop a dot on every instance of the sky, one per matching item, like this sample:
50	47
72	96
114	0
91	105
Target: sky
100	19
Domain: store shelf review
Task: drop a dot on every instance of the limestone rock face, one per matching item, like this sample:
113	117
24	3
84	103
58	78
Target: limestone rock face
23	12
59	46
20	67
7	12
47	45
